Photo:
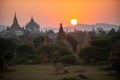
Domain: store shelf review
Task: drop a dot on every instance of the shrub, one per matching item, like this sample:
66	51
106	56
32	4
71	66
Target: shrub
27	59
70	59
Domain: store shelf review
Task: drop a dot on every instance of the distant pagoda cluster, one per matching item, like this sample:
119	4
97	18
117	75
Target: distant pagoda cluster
16	30
32	29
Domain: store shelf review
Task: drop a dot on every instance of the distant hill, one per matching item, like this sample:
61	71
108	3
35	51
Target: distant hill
87	27
107	26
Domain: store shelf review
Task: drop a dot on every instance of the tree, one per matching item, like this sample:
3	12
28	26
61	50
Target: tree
7	50
70	59
98	51
102	33
24	50
72	41
38	41
115	58
111	32
53	50
25	54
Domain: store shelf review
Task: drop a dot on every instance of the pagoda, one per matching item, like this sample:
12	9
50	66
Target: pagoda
32	26
15	26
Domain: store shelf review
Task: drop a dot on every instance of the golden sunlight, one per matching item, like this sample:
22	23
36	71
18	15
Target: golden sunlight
73	21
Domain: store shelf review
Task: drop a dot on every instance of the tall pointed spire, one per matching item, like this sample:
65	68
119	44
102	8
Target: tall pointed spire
61	28
15	24
61	33
32	20
15	13
15	19
60	24
93	29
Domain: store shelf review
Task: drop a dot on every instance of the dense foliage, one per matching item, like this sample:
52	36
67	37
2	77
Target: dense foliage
102	49
98	51
7	50
72	41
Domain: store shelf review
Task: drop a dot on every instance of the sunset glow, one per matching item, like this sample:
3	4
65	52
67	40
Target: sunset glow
73	21
49	13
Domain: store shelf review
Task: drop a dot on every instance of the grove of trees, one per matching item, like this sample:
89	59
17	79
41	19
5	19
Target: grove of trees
102	49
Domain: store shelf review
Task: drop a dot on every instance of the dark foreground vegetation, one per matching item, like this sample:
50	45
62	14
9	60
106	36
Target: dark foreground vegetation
104	49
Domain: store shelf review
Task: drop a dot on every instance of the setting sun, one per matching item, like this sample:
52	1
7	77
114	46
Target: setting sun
73	21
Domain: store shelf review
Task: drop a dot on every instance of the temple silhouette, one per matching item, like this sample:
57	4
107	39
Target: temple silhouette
32	29
16	30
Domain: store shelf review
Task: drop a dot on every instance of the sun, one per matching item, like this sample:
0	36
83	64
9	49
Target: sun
73	21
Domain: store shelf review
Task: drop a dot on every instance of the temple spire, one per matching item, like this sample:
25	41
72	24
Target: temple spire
15	26
32	20
15	19
32	17
15	13
61	28
61	33
93	29
60	24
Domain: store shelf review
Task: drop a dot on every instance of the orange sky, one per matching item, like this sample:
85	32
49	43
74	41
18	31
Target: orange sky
49	13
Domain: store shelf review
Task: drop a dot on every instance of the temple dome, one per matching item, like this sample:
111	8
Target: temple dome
32	26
